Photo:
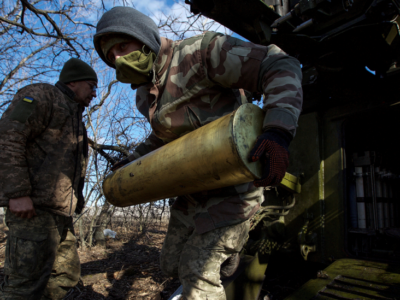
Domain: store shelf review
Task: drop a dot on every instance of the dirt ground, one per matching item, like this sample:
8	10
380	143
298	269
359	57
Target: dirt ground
129	269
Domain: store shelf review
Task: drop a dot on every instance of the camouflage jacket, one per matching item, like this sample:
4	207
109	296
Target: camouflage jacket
203	78
44	149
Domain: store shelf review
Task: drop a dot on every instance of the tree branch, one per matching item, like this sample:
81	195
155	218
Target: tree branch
99	147
44	13
97	106
31	31
22	62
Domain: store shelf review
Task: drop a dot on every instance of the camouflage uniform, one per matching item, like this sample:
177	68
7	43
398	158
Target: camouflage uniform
197	258
197	81
43	154
40	250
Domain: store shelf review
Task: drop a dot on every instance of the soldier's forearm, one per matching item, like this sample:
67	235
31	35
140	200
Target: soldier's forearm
283	94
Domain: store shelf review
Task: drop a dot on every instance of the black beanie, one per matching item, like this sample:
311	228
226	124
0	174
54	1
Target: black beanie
77	70
129	21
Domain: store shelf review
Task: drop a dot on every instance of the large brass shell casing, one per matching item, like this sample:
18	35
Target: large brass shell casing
211	157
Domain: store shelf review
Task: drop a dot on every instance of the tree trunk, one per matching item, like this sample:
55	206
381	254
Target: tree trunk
101	223
82	235
91	231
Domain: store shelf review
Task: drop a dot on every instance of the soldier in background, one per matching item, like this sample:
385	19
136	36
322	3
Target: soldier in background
43	158
181	86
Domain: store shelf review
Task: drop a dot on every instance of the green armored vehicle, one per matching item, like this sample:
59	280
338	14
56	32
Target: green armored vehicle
334	221
346	219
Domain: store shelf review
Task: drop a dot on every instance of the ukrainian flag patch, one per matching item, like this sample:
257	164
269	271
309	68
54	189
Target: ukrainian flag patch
28	99
23	109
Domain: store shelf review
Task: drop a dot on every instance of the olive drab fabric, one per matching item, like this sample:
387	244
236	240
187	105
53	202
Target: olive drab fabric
135	67
41	259
202	78
77	70
44	149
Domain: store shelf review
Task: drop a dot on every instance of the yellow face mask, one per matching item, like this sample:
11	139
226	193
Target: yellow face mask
135	67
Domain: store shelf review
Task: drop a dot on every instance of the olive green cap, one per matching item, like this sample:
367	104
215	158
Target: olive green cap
77	70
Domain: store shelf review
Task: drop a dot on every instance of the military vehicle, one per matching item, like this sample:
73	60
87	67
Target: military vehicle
345	219
345	154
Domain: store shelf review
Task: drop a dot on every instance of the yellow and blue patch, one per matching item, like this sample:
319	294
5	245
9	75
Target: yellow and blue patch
23	109
28	99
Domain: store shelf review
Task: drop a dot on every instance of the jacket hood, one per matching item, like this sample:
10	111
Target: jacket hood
129	21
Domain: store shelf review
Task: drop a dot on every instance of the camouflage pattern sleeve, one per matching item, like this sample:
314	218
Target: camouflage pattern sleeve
150	144
234	63
25	118
280	79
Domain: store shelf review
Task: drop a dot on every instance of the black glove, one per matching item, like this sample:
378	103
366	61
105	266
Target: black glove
272	148
120	164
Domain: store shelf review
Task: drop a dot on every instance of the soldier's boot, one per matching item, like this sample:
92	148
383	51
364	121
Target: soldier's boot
230	265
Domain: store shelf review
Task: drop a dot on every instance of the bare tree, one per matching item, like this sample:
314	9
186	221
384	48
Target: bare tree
37	37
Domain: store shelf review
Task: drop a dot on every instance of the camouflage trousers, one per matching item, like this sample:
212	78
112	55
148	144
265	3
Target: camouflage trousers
196	258
41	261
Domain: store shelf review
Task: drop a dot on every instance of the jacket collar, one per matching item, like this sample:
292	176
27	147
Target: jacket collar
163	58
65	90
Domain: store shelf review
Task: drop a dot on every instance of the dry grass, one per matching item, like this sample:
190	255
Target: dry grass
127	269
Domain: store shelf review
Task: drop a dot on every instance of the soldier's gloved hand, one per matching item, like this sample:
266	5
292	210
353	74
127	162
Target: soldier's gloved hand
120	164
272	149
